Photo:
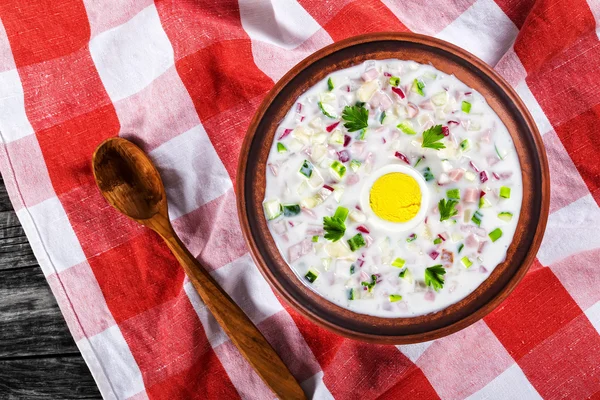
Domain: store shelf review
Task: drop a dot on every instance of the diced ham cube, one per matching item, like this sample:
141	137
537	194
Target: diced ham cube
456	174
279	227
471	241
471	195
370	74
447	256
299	249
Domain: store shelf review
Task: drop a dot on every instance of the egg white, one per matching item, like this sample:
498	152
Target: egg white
388	225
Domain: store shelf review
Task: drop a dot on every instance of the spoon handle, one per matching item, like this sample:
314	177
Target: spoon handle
242	332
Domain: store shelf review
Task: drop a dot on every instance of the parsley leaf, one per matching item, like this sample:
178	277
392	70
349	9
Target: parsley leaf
447	209
432	136
334	226
434	277
356	118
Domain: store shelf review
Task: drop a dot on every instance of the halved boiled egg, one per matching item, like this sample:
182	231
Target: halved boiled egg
395	198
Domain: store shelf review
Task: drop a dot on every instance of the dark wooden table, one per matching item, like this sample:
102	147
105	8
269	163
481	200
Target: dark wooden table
38	357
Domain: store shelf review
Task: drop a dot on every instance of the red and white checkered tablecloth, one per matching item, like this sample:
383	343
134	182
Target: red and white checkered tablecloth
184	77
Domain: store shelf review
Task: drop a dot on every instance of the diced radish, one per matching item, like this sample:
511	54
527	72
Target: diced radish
471	195
467	93
370	74
473	166
291	224
429	296
332	126
434	254
369	160
364	276
381	100
402	157
505	175
481	194
481	246
298	108
492	160
471	241
352	179
387	74
279	227
285	133
343	156
483	176
450	123
383	140
456	174
483	269
426	105
445	130
399	92
274	168
310	213
444	236
360	261
347	140
413	110
362	228
368	240
443	179
285	237
358	147
328	187
486	137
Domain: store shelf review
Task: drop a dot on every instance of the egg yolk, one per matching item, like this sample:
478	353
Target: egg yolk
395	197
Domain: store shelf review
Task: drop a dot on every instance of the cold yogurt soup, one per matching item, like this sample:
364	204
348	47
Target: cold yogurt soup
392	189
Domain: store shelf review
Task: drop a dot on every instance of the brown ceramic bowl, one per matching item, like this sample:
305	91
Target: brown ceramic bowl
473	72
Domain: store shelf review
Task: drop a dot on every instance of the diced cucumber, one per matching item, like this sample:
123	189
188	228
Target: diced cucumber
465	145
338	169
456	237
341	213
316	180
418	87
362	134
466	262
477	218
326	262
337	137
382	117
289	210
310	202
484	203
355	165
505	192
467	216
351	294
357	216
440	99
447	165
453	194
407	275
306	169
272	209
505	216
356	242
394	81
395	297
366	90
495	234
330	84
460	247
318	138
470	176
428	175
407	127
338	192
465	107
312	275
315	239
398	263
327	109
281	148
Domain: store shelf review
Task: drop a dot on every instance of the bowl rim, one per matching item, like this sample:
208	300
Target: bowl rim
486	308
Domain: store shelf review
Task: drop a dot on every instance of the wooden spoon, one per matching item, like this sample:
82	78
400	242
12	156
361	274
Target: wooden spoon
130	183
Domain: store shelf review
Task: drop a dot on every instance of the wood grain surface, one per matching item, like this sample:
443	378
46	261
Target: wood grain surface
38	358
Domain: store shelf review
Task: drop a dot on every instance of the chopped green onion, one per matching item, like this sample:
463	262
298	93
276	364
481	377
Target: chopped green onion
352	269
465	145
351	294
465	107
406	127
355	165
356	242
418	161
394	81
411	238
382	117
315	239
402	273
311	275
281	148
289	210
330	84
484	203
418	87
398	262
460	247
428	175
361	134
437	241
505	192
495	234
306	169
272	209
395	297
505	216
341	213
453	194
339	169
466	262
477	218
327	109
